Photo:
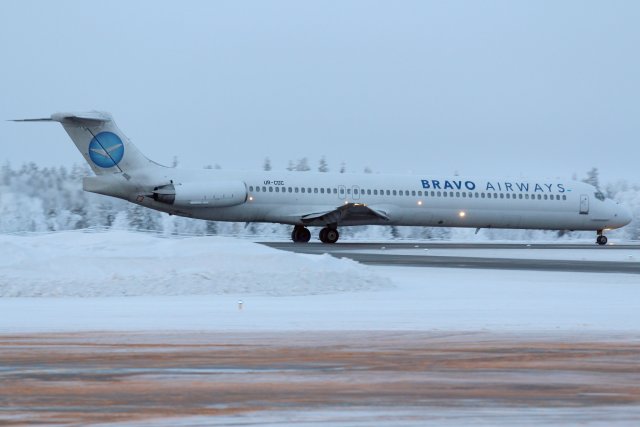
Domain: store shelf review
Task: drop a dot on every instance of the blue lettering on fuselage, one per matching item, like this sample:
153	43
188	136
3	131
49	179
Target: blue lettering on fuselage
447	185
506	186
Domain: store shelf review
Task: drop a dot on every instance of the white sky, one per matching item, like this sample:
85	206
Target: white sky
499	88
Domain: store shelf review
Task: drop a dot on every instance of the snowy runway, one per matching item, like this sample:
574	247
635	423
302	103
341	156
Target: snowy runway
344	378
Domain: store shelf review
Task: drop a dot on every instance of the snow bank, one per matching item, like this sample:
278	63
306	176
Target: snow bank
122	263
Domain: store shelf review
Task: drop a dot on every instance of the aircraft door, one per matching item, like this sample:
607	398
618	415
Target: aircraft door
355	191
584	204
342	192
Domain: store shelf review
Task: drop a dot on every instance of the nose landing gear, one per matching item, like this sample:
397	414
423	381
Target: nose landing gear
601	239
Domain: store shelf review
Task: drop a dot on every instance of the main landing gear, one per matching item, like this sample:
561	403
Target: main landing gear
601	239
329	235
301	234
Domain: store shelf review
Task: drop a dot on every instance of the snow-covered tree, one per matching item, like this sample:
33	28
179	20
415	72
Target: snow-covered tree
303	165
322	165
592	178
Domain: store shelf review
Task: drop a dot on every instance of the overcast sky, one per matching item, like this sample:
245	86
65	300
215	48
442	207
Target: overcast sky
496	88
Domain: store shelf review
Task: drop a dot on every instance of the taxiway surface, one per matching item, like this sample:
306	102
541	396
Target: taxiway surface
416	255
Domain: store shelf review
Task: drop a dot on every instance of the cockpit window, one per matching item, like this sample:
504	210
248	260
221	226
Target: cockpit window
599	195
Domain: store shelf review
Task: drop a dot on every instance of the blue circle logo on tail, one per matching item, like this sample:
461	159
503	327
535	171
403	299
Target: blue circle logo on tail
106	149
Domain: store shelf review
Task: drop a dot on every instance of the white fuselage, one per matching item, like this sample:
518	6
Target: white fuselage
412	200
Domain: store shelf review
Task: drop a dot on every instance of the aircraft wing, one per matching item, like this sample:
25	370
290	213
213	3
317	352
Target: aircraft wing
350	212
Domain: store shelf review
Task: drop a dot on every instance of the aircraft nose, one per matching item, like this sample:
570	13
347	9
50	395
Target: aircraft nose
624	215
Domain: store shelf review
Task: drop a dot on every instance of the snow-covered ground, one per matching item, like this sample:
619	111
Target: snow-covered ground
128	281
123	263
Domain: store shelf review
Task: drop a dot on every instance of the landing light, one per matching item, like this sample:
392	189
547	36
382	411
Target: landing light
419	202
250	198
462	214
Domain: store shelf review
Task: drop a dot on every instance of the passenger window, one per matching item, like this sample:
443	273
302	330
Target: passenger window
482	195
545	197
388	192
564	197
508	196
413	193
464	194
375	192
539	197
309	189
433	193
322	190
315	190
296	189
264	189
277	189
439	194
444	193
419	193
349	191
526	196
302	190
477	195
342	191
368	192
395	192
251	188
457	194
335	191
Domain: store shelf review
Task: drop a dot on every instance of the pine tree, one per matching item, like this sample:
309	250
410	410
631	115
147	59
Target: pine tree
592	178
323	166
303	165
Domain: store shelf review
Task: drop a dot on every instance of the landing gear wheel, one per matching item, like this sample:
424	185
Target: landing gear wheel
300	234
329	235
601	240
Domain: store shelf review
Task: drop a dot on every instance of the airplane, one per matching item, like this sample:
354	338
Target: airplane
330	200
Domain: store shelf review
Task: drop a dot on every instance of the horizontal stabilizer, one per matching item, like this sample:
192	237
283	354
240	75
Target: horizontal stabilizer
92	118
32	120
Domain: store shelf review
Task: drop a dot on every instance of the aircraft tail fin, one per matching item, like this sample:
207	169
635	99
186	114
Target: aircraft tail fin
100	141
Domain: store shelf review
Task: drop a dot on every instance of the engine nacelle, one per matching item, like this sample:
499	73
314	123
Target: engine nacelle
202	194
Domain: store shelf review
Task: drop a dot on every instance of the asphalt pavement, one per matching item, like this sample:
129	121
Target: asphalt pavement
383	254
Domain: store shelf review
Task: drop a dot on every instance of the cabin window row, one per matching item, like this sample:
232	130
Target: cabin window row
410	193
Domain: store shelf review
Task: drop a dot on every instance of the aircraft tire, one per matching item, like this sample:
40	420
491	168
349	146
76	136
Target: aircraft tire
300	234
331	236
601	240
